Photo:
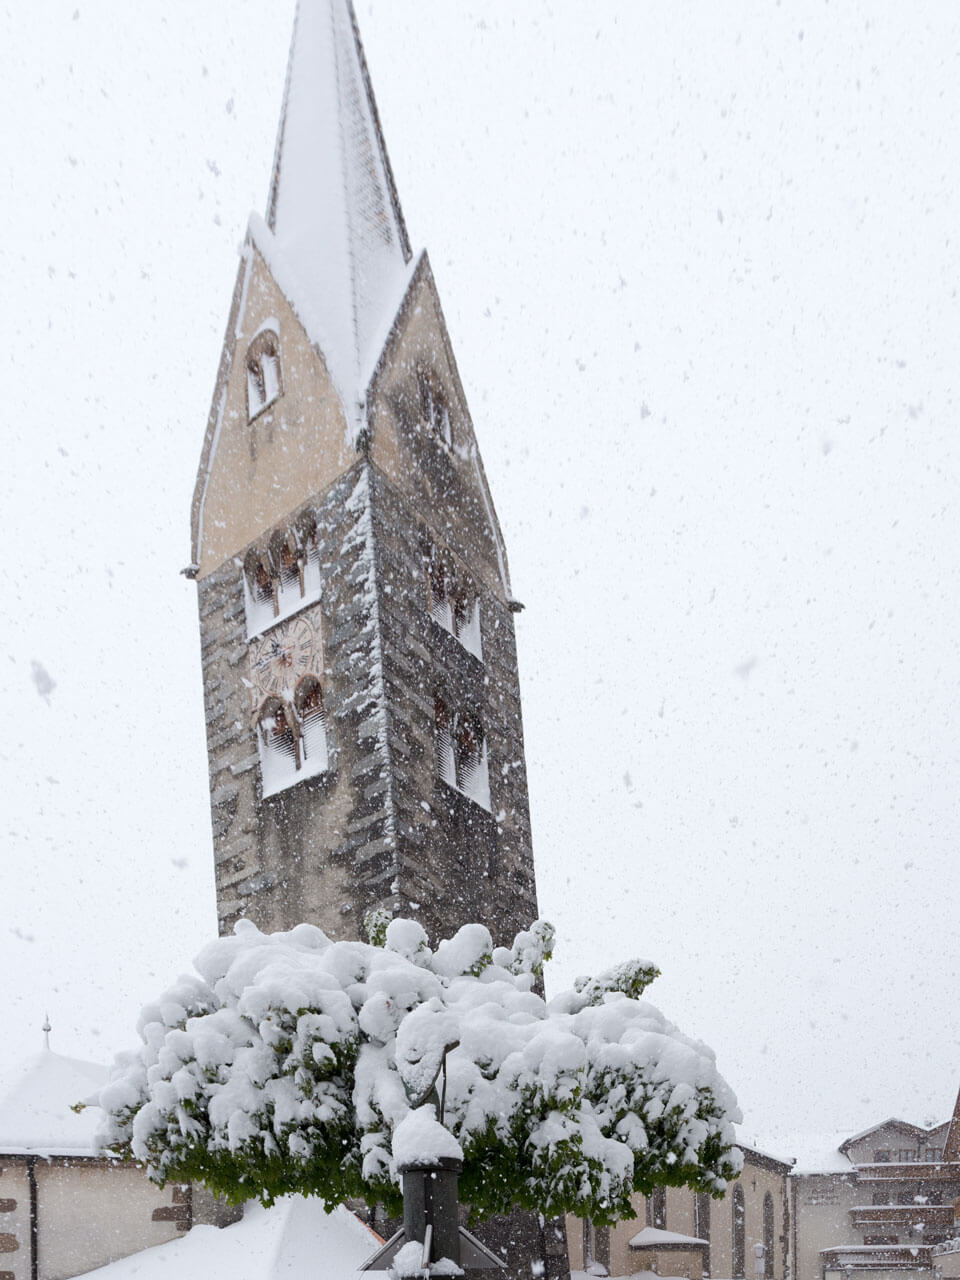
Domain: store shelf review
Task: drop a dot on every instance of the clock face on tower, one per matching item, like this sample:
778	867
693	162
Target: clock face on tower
279	658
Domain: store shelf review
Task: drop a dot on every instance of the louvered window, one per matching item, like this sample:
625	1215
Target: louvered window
308	703
453	605
462	752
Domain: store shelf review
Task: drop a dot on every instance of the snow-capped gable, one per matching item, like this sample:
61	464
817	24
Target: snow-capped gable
255	469
436	463
333	212
892	1135
35	1106
333	257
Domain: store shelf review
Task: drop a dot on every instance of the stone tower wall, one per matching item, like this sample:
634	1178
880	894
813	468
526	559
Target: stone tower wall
380	827
323	850
457	861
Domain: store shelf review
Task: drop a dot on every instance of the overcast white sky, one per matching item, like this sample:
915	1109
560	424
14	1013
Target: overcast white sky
700	266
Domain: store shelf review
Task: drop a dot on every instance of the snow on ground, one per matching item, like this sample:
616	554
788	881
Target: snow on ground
287	1242
636	1275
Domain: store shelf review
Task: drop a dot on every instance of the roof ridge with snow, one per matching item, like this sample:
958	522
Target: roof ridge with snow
333	209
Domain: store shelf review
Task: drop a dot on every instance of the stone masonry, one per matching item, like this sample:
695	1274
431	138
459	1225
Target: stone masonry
380	827
457	861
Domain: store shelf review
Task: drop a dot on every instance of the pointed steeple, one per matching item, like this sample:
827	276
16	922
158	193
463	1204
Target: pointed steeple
333	209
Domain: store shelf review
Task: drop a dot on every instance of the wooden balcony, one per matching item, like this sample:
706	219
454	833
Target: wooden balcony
879	1257
941	1171
878	1219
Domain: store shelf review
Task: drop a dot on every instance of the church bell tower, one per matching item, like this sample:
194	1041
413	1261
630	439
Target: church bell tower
359	664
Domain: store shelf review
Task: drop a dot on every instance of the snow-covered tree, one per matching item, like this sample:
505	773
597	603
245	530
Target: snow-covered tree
288	1061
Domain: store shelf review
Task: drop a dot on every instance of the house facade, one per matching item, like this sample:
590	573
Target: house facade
883	1204
678	1232
65	1210
882	1208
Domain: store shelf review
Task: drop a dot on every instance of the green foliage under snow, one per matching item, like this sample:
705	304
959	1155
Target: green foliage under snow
287	1062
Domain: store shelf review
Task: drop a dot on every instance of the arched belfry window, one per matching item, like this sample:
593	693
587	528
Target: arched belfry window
308	705
441	590
279	747
470	748
281	574
292	736
261	584
289	560
462	751
443	723
264	377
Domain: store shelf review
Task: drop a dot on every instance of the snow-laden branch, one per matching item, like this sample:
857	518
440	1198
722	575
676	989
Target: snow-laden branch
288	1062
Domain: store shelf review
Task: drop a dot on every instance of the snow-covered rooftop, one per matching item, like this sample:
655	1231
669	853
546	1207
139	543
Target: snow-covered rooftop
35	1101
810	1152
339	241
657	1238
294	1238
906	1126
769	1150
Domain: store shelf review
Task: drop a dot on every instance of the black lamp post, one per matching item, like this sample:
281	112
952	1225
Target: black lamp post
431	1207
431	1216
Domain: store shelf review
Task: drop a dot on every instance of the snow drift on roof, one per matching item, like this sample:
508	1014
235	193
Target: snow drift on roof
294	1238
656	1237
812	1152
35	1102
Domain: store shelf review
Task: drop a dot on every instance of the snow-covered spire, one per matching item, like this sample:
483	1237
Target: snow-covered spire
333	207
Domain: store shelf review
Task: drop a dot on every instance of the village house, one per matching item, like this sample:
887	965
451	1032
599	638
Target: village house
678	1232
64	1209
